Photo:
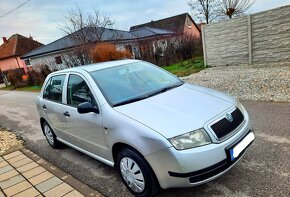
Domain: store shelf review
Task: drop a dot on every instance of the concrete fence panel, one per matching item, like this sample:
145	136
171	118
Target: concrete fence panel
256	39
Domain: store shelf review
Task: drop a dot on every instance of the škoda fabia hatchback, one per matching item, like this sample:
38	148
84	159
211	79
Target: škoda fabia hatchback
157	130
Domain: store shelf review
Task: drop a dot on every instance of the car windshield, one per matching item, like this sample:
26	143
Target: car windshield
132	82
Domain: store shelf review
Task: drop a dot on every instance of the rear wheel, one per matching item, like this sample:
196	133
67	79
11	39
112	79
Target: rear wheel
50	136
136	173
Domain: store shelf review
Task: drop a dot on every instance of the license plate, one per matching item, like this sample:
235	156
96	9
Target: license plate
237	149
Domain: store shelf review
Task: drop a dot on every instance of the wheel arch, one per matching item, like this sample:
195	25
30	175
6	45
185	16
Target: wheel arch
42	121
117	147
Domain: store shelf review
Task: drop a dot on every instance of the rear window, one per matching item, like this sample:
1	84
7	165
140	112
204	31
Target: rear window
54	88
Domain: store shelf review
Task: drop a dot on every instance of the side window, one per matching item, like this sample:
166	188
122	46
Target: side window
53	89
46	90
78	91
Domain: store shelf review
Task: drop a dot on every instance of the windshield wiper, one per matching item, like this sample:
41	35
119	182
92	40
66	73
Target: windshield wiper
169	87
132	100
148	95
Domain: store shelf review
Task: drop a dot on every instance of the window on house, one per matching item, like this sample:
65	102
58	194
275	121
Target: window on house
58	60
189	24
27	62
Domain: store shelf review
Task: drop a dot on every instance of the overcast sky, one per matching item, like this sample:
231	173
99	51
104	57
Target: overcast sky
41	18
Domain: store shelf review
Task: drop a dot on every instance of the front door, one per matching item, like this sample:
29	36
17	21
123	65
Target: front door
83	130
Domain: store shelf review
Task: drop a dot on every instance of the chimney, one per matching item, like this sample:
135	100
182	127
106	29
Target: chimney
30	37
4	39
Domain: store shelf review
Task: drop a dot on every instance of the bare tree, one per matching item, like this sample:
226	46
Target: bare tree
204	10
232	8
83	29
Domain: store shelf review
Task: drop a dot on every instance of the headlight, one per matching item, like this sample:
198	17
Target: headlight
190	140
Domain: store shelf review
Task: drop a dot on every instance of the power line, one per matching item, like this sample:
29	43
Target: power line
15	9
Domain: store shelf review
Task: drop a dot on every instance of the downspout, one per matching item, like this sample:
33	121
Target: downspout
17	62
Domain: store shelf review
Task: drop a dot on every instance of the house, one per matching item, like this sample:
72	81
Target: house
61	53
149	39
13	48
179	24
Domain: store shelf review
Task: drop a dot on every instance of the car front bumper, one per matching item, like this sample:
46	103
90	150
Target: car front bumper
196	166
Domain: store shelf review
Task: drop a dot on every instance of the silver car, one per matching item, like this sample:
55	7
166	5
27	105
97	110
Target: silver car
155	129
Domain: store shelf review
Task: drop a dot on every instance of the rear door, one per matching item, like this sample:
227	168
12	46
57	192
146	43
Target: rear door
52	103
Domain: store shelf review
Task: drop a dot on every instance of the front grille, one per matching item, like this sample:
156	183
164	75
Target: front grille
224	126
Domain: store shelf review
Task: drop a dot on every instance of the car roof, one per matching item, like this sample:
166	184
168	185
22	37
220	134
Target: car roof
98	66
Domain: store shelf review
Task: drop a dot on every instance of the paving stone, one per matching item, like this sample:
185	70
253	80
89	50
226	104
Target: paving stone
43	180
27	167
40	178
33	172
21	162
84	189
11	155
3	163
5	169
74	193
48	184
11	181
19	187
59	190
1	194
16	158
8	175
31	192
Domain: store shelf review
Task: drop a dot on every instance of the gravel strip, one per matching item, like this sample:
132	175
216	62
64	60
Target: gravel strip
260	83
9	142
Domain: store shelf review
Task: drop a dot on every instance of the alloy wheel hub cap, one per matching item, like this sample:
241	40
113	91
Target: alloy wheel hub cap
48	134
132	174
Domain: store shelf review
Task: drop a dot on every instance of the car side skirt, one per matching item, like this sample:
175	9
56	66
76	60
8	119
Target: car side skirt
110	163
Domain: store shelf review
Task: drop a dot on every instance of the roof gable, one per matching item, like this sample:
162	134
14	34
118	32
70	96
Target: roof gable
175	23
17	45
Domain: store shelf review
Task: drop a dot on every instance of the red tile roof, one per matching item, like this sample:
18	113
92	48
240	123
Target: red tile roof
17	45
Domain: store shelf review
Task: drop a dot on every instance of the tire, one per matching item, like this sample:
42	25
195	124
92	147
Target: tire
136	173
50	136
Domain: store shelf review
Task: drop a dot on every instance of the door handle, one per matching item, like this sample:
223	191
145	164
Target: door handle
66	114
44	107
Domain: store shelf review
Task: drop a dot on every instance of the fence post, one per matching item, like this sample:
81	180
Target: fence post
203	45
250	40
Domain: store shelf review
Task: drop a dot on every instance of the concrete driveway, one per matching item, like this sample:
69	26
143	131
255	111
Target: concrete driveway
264	171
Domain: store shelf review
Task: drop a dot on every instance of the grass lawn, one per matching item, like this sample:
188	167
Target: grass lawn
186	67
26	88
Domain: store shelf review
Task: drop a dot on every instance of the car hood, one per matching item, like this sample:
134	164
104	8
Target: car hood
179	110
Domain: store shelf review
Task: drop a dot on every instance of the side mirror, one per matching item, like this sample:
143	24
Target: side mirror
87	107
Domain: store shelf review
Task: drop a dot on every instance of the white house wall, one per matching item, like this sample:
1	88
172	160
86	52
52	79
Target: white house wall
49	60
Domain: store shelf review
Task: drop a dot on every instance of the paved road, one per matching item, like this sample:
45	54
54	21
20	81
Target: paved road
264	171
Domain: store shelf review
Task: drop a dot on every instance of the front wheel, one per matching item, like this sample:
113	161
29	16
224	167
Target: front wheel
136	173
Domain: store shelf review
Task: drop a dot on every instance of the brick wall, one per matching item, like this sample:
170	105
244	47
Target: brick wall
256	39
